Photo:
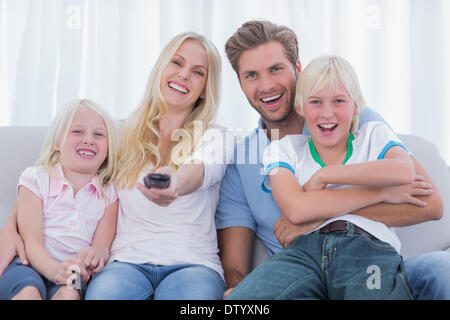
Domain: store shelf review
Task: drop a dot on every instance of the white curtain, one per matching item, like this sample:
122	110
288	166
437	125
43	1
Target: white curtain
52	51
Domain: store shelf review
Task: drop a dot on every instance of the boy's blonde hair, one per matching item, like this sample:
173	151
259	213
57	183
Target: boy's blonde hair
326	71
50	154
140	135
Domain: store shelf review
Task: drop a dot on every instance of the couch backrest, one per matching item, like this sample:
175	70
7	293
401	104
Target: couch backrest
432	235
20	148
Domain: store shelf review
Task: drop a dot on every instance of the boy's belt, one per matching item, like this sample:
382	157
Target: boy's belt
343	226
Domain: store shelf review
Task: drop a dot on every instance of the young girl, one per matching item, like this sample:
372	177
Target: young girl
166	243
347	256
67	207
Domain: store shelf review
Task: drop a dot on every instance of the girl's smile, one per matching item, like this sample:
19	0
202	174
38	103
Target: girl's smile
86	145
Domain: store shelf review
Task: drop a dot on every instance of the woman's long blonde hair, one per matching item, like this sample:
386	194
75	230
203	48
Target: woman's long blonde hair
140	135
50	154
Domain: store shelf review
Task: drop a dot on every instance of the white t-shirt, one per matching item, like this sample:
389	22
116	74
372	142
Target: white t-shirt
184	231
297	153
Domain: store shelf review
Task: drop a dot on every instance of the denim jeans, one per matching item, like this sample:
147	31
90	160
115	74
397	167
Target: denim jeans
429	275
328	266
128	281
18	276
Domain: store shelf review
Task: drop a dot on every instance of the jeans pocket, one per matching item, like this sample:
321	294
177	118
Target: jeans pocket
378	244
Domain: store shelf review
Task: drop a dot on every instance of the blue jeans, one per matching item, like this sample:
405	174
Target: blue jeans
429	275
328	266
128	281
18	276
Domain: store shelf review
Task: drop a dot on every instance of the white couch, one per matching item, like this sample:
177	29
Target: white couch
21	145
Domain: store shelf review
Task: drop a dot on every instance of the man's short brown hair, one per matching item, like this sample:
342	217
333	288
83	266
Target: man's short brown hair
257	32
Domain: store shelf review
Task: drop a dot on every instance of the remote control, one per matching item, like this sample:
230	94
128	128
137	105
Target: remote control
156	180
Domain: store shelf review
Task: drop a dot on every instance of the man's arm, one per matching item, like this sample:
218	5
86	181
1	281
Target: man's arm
402	215
236	228
235	250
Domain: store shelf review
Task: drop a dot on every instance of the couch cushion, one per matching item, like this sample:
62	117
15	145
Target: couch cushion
20	148
431	235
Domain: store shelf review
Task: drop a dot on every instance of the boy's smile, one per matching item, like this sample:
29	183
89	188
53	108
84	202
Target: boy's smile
328	115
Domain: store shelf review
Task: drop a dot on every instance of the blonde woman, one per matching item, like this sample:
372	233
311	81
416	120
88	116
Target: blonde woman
66	207
166	246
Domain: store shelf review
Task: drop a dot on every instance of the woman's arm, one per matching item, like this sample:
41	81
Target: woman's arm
235	248
185	181
11	244
96	256
190	177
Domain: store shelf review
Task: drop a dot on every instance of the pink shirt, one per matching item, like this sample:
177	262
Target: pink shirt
69	222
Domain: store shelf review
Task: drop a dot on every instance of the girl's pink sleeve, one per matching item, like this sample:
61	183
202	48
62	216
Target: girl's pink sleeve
31	178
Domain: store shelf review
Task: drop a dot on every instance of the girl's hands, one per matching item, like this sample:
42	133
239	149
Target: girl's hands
63	273
407	193
162	197
89	261
93	258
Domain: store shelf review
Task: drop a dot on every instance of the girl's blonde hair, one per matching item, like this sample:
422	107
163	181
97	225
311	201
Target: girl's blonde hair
140	135
326	71
50	154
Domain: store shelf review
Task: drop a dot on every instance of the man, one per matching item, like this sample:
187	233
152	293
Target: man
265	59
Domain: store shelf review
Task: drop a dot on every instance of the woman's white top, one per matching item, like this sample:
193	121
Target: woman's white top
184	231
